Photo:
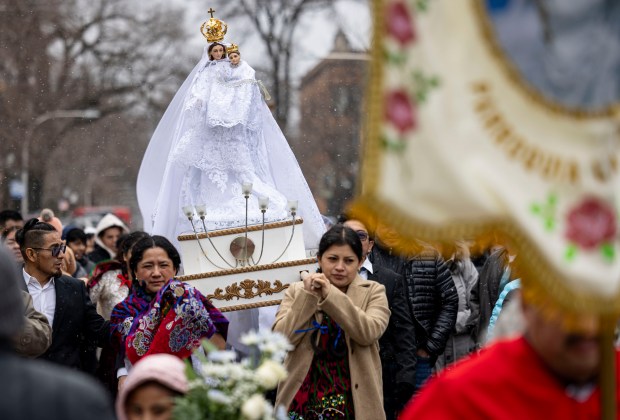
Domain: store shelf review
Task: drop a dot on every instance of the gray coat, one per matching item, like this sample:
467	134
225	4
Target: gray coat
461	341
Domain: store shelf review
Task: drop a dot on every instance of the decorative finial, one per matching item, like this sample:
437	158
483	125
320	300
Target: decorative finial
213	29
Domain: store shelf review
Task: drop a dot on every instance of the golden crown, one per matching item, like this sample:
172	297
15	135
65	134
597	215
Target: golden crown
213	29
233	48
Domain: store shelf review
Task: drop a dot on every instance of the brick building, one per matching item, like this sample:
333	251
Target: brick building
331	104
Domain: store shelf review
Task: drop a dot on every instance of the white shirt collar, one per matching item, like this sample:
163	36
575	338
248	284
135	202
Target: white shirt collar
32	280
367	265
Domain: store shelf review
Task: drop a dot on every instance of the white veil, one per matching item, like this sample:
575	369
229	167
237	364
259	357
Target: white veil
155	162
159	178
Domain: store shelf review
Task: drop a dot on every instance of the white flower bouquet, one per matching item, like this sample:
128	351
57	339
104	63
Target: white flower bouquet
226	389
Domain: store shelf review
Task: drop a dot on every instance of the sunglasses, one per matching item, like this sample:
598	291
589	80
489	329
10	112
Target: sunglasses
362	235
55	250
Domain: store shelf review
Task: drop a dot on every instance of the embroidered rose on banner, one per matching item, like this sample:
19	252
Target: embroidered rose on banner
591	223
399	23
400	111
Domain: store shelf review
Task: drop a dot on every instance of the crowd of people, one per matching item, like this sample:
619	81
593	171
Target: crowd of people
369	328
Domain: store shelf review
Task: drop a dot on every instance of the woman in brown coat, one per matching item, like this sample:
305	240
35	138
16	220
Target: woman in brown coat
334	319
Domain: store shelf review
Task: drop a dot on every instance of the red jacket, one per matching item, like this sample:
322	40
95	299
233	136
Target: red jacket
506	381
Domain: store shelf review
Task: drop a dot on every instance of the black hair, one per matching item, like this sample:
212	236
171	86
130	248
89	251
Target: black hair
212	46
342	218
9	215
125	243
32	234
150	242
100	234
119	242
76	234
130	240
341	235
5	233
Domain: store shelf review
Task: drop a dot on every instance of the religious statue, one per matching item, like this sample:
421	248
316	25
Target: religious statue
217	134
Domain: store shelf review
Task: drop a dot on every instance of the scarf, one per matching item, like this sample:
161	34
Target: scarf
124	313
174	321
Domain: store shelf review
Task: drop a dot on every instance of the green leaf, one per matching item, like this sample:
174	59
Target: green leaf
397	145
396	58
536	208
189	370
208	346
609	252
571	252
421	5
549	224
552	200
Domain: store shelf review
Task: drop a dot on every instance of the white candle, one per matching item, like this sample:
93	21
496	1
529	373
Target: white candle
188	211
201	210
292	206
246	188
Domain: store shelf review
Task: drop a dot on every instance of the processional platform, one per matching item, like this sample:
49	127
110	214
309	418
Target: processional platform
244	268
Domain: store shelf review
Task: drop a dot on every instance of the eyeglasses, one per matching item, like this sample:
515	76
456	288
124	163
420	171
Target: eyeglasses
362	235
55	250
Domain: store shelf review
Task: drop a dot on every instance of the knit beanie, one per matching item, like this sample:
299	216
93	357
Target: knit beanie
11	309
48	216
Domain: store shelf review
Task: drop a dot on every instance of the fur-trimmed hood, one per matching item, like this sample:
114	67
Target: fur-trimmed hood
108	221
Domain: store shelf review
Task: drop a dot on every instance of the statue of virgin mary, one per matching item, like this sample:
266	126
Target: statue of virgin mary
217	134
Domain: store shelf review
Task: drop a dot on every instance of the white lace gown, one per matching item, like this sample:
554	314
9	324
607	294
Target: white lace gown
216	134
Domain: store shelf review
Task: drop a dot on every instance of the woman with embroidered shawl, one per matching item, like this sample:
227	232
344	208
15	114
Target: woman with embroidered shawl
162	314
334	319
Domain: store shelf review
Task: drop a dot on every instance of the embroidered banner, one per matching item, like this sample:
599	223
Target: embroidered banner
459	145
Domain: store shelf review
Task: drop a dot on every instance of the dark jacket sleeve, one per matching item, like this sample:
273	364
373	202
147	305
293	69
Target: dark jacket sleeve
449	302
96	329
404	332
474	306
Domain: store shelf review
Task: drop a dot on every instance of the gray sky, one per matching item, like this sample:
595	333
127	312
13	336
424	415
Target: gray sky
315	34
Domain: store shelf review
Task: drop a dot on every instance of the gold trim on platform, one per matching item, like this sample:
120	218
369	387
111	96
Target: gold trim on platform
241	270
250	306
232	231
247	286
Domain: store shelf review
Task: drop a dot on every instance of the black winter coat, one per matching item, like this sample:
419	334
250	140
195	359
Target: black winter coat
433	300
485	294
398	342
397	346
99	254
384	257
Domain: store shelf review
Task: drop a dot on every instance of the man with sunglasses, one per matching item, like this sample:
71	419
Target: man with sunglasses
398	344
62	299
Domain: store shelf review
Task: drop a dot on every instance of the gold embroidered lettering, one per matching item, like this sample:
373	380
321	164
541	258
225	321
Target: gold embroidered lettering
574	173
531	157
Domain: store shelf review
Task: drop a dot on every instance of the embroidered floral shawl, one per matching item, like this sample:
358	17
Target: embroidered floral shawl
174	321
124	313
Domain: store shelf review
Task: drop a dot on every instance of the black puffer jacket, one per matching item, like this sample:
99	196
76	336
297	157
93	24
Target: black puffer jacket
432	299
